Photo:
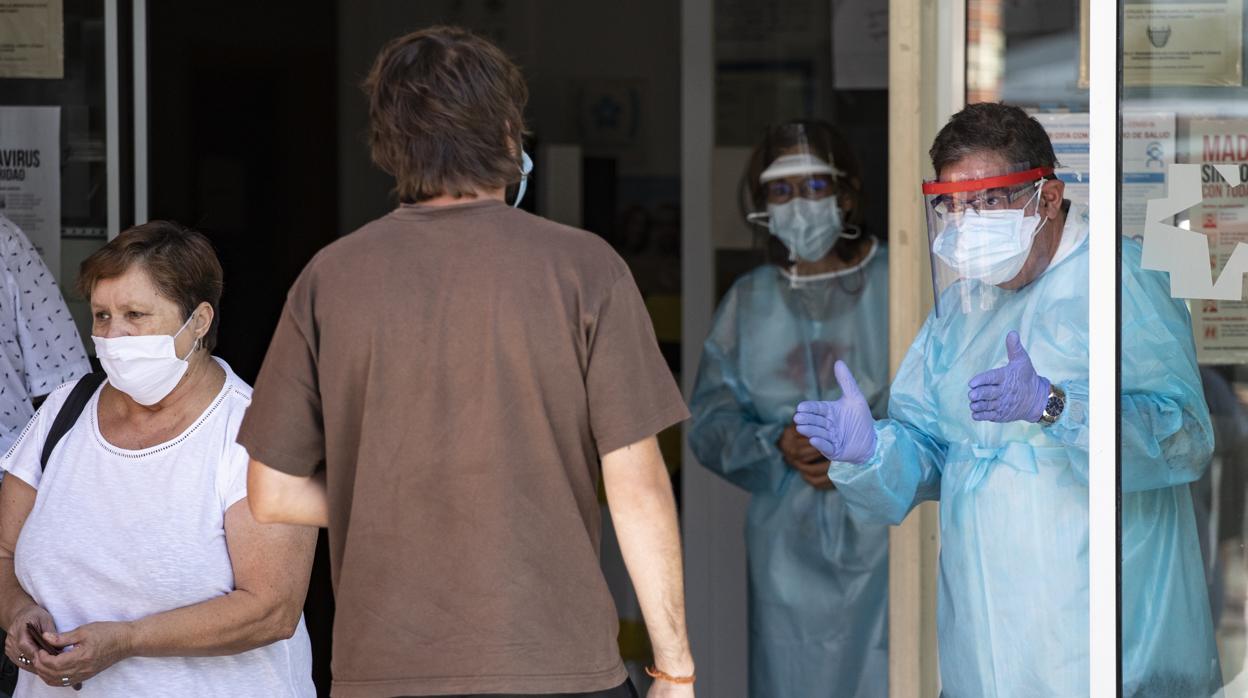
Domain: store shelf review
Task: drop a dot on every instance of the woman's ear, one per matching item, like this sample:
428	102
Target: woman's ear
203	320
848	201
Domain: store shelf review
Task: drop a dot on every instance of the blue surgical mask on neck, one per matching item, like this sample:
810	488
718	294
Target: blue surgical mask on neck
526	167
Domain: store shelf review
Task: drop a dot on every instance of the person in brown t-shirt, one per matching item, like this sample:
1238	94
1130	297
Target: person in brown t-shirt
444	390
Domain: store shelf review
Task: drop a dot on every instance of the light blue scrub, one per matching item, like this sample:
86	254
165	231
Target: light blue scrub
1013	590
818	578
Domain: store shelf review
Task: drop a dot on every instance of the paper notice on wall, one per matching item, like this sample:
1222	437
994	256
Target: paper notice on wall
1069	134
1148	144
32	39
1220	327
30	176
1182	42
1147	149
860	44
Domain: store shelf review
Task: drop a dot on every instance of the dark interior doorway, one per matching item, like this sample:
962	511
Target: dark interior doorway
243	132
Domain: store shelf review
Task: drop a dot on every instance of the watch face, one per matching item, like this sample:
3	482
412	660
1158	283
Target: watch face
1054	408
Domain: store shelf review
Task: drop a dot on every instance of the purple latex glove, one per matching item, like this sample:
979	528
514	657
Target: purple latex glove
843	430
1012	393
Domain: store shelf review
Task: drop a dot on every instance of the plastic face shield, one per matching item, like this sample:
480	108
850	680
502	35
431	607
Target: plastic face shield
796	187
980	228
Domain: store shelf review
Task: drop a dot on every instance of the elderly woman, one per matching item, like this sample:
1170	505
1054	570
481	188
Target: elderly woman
133	550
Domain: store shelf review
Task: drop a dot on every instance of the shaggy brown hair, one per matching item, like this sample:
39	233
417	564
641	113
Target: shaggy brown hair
181	263
446	114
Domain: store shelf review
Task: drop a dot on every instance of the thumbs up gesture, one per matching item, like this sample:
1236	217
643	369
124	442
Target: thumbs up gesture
842	430
1011	393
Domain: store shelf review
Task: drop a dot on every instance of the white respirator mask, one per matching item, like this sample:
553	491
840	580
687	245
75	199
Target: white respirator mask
145	367
989	246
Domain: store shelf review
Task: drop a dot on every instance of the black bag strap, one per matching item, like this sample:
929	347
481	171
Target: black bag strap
69	412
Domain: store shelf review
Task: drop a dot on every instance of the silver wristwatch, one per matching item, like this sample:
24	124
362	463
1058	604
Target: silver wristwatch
1055	405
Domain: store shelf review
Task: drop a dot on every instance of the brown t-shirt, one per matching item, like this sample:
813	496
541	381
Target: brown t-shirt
459	371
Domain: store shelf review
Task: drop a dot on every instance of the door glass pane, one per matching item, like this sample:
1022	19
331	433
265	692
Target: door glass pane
1011	252
799	211
1184	344
78	99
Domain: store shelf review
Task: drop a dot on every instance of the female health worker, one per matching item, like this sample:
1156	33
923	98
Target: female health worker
818	579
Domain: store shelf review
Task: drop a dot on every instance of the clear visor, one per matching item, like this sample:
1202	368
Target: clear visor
980	228
792	195
792	170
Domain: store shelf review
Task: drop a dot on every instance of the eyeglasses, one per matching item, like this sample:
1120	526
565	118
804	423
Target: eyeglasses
989	200
814	187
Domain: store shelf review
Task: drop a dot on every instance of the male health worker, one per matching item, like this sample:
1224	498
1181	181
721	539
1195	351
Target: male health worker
989	415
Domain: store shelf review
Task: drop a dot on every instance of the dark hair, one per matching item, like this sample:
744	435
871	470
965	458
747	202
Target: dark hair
990	127
181	263
446	114
827	142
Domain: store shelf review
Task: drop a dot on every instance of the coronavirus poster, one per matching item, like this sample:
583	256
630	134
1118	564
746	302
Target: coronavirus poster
30	176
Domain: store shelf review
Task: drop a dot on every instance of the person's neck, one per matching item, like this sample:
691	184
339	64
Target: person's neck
832	262
448	200
1058	228
203	378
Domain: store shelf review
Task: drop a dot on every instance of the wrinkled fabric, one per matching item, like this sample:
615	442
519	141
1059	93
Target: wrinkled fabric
818	578
1013	590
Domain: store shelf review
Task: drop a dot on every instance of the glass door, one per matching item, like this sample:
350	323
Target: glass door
67	124
786	119
1183	338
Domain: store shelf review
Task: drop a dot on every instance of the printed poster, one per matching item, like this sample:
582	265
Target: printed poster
1069	134
1148	142
1148	150
32	39
1183	42
1220	327
30	176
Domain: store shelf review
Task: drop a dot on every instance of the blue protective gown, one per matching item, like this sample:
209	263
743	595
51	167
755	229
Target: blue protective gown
1013	592
818	579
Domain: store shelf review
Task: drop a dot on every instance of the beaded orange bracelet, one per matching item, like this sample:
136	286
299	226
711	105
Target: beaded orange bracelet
654	673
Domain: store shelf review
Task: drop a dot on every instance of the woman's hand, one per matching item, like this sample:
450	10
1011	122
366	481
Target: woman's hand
89	650
18	645
796	449
815	473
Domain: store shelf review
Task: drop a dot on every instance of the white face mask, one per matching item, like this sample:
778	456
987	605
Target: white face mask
808	227
145	367
989	246
526	169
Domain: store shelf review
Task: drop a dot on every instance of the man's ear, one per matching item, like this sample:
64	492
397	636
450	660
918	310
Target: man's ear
1052	192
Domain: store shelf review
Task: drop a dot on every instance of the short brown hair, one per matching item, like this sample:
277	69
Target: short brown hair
446	114
181	263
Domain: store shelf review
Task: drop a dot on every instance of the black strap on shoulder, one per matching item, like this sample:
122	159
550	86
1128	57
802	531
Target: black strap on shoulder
69	412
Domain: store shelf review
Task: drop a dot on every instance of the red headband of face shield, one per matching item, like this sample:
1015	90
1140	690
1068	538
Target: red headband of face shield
965	185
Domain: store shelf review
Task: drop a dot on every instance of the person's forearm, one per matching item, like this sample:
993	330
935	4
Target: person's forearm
13	598
643	513
230	624
276	497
